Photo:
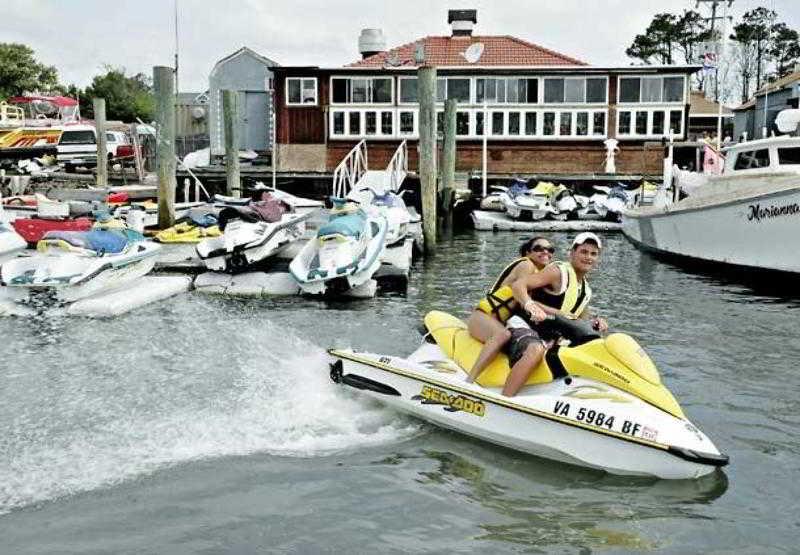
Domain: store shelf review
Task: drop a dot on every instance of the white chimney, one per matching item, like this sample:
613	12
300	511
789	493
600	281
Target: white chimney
462	21
371	42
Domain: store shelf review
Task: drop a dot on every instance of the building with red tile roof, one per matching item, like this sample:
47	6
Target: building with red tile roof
543	113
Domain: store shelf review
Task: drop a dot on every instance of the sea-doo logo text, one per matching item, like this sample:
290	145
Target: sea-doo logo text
608	370
452	402
755	212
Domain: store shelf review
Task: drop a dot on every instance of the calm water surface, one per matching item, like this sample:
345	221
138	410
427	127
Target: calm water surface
208	425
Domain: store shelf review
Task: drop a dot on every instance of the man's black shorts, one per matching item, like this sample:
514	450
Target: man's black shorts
521	339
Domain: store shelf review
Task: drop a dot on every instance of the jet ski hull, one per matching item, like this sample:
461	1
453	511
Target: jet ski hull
571	420
244	244
11	243
68	277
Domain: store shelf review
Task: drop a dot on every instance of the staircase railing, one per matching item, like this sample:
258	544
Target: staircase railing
398	166
350	169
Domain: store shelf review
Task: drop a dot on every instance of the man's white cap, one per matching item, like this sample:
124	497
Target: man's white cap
581	238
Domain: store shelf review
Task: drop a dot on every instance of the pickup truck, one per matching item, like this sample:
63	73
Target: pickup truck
77	147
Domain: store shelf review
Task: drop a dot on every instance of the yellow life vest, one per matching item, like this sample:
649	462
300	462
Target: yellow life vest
574	296
499	298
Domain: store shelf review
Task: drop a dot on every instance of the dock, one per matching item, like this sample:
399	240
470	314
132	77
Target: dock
485	220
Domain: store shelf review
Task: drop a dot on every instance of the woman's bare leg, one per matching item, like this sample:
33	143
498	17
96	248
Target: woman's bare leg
492	333
521	371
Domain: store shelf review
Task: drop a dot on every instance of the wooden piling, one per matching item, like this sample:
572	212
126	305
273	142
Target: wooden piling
449	163
230	113
164	90
99	105
426	76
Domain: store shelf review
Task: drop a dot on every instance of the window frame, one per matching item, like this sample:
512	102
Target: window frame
301	103
581	103
641	78
370	101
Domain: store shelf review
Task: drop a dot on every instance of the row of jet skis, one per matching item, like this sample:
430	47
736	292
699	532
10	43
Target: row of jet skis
558	202
80	257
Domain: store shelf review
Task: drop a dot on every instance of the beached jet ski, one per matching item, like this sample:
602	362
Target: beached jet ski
11	243
597	402
251	233
72	265
530	204
344	254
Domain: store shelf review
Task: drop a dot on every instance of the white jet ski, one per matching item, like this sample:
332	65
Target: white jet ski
392	207
11	243
534	204
597	402
252	233
71	265
345	253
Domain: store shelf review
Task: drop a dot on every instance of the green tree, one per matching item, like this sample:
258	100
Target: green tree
784	48
753	34
127	97
20	72
658	41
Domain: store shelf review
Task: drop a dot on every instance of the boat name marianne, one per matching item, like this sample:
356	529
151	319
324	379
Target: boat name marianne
756	212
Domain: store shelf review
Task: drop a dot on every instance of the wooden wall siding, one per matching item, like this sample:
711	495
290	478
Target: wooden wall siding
520	158
300	124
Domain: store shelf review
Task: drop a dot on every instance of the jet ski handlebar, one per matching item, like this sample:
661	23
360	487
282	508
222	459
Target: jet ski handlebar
575	330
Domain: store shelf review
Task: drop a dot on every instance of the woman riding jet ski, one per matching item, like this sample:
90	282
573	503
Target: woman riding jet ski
72	265
345	253
591	402
251	234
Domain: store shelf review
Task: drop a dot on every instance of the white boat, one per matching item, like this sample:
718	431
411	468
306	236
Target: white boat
391	205
250	236
71	265
344	254
597	403
746	216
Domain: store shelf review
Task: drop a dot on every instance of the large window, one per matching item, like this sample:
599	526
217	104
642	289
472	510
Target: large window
789	156
361	90
752	159
573	90
301	90
649	122
457	88
370	123
506	90
409	91
650	89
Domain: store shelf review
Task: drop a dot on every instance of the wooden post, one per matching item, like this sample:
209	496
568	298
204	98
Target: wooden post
449	163
164	90
427	152
230	111
99	105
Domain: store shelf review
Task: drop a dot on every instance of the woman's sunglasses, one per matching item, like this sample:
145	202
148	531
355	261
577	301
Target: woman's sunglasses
541	248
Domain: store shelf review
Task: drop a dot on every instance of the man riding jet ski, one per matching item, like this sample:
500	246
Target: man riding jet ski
591	402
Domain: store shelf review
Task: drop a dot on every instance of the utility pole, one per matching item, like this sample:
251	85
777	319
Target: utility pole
713	19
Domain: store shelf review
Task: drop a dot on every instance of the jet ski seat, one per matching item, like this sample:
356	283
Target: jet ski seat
99	241
348	225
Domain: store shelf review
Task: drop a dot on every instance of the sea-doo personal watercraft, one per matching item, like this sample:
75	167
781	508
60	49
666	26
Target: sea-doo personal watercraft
344	254
251	234
533	204
392	207
594	402
71	265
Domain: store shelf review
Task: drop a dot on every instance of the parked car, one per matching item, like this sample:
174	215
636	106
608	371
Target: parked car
77	147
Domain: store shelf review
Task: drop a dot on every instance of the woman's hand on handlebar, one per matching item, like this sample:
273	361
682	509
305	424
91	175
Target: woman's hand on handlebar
600	324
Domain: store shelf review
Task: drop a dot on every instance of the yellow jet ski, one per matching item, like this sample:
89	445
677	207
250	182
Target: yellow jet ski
593	401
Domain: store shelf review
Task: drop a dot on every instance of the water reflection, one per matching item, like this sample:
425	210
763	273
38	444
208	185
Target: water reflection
549	504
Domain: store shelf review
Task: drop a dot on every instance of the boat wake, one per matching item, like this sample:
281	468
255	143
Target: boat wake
102	428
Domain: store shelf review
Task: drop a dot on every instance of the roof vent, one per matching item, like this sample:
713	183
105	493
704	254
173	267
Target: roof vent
371	42
462	21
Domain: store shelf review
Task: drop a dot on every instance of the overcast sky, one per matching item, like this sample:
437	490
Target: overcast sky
79	37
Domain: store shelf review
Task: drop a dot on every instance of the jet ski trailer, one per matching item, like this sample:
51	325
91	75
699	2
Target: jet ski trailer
567	418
